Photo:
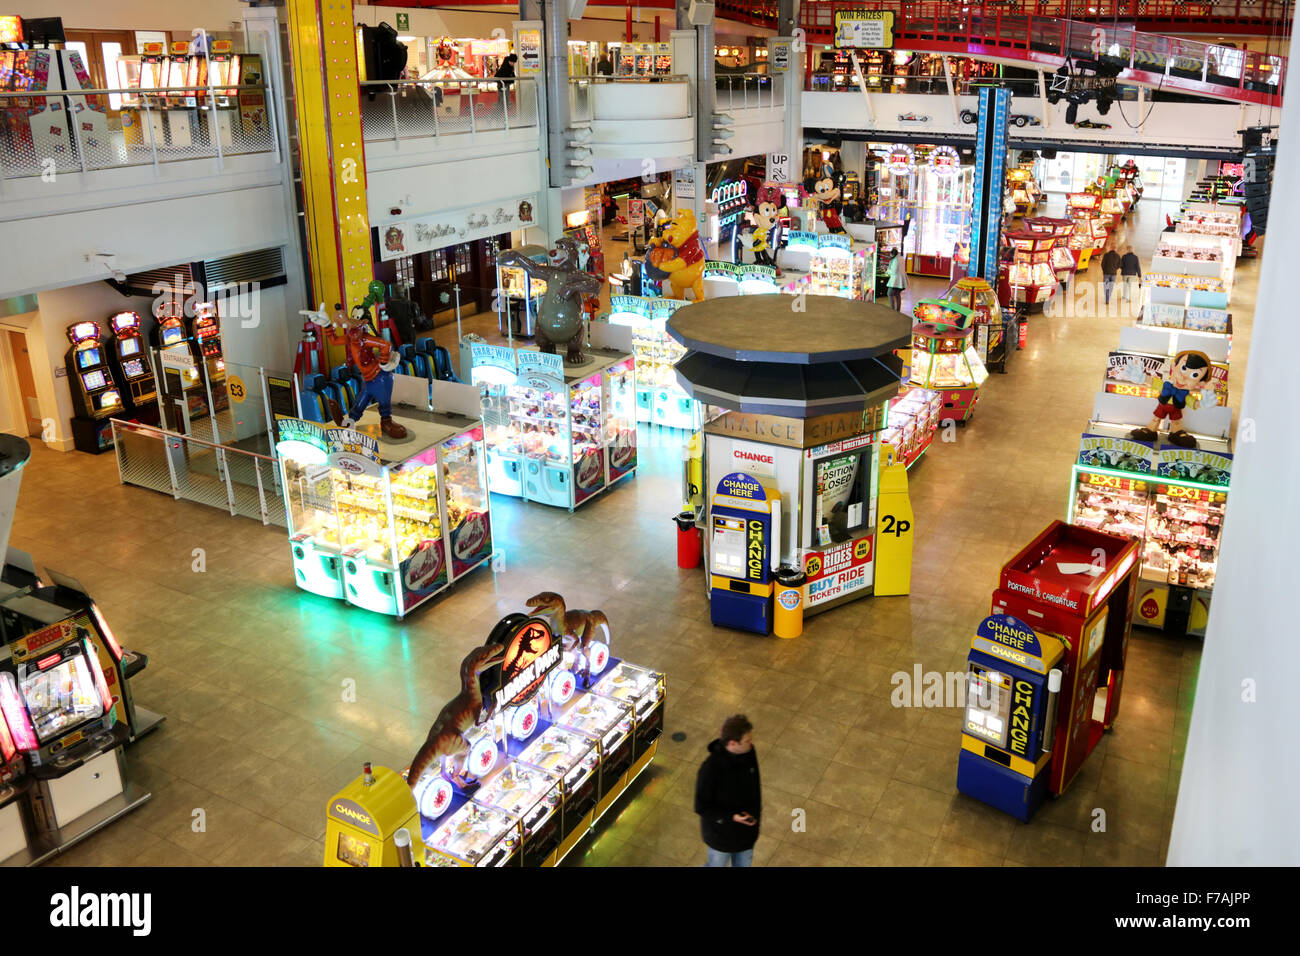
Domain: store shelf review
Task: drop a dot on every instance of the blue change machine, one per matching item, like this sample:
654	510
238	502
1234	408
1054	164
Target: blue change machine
744	551
1012	685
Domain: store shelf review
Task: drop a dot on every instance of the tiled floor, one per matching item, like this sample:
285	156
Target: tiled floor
250	671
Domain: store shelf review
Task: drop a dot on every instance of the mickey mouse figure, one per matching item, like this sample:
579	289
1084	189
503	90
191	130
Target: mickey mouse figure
826	191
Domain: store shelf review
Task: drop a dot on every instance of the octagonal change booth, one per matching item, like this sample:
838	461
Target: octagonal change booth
789	473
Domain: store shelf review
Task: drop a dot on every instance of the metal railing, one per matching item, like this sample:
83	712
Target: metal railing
742	91
79	131
410	109
581	108
823	82
220	476
1176	64
817	17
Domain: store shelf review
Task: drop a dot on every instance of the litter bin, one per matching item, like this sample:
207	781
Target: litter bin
787	614
688	540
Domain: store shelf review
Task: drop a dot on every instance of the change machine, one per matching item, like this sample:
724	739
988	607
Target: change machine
1012	680
1072	586
744	551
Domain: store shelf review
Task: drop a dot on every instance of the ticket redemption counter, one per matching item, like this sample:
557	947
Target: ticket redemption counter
1045	672
544	759
786	481
1172	499
386	525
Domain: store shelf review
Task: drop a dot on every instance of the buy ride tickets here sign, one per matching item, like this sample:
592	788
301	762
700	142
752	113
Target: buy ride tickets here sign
839	570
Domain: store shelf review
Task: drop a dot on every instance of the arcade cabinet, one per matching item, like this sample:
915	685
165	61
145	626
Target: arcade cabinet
131	367
205	341
95	394
1053	652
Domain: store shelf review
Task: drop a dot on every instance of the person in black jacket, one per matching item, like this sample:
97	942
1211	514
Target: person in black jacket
1131	269
728	796
1110	263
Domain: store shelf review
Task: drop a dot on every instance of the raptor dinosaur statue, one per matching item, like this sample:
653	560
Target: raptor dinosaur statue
460	715
577	628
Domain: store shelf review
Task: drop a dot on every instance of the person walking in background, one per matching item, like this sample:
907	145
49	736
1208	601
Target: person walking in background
897	281
1110	264
728	795
1131	270
506	71
605	66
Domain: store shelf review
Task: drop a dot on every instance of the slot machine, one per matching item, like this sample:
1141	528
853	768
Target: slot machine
744	552
95	394
205	340
223	78
181	116
180	383
130	362
146	70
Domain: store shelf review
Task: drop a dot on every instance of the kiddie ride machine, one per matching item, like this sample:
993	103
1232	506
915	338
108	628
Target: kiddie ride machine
66	708
996	329
1046	669
558	434
547	732
788	487
386	524
943	359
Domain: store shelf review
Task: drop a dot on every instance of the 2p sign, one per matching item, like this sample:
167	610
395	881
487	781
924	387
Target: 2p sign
895	526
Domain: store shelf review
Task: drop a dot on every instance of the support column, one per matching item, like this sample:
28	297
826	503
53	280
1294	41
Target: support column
705	85
323	51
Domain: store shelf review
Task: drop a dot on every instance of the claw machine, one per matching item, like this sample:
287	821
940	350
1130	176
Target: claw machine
387	524
493	369
660	400
559	417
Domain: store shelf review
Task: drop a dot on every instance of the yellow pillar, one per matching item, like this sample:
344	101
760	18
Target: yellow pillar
323	49
894	528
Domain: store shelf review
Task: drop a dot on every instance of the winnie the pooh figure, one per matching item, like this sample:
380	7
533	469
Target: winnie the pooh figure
685	268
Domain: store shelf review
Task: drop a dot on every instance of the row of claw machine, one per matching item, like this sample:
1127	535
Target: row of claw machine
557	434
660	400
383	524
558	729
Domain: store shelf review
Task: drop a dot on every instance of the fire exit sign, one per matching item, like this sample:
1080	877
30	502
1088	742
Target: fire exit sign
403	21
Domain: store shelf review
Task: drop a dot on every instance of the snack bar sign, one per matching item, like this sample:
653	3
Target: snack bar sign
411	236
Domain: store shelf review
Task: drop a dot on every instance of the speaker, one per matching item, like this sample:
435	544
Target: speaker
700	13
1048	153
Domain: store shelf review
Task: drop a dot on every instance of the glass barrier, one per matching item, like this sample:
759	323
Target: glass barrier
407	109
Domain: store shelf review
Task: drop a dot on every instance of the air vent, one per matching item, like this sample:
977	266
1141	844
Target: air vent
179	278
262	266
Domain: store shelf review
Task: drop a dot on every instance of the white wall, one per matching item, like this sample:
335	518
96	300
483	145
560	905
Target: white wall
1241	770
178	15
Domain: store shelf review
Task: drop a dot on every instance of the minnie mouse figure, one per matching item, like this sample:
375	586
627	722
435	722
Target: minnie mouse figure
826	191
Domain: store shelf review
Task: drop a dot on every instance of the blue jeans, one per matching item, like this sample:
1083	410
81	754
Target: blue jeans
718	858
1107	284
379	389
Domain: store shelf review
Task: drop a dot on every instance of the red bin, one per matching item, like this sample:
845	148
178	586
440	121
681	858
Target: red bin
688	540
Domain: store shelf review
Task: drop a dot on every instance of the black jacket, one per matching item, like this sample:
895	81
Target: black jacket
1110	263
1129	265
728	784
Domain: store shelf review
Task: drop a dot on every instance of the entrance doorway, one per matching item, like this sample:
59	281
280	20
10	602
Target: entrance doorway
26	381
